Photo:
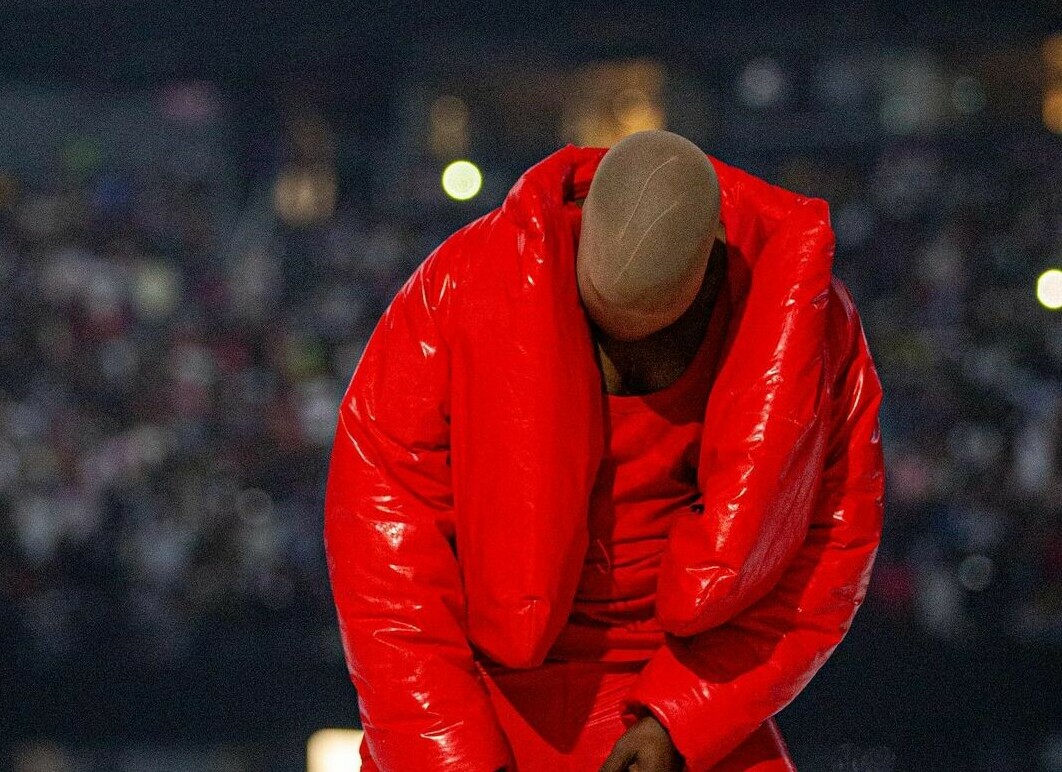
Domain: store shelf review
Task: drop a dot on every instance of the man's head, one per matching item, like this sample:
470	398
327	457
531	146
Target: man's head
648	225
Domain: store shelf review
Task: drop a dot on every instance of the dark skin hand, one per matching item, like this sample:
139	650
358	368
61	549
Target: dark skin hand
645	747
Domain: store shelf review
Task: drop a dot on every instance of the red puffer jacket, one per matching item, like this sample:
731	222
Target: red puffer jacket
469	439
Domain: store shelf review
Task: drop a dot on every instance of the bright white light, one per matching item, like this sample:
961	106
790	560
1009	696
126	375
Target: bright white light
1049	289
461	180
334	750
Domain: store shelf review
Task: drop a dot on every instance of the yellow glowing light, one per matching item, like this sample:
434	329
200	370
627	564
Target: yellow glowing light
461	180
606	101
334	750
1053	110
1049	289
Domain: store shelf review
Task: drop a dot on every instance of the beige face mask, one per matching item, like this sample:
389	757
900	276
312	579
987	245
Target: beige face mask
648	224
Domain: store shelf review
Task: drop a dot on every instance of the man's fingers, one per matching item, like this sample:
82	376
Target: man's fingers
619	759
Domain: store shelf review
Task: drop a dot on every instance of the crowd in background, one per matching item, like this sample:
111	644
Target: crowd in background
169	378
941	243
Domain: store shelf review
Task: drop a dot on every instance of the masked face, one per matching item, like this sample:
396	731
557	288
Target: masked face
649	222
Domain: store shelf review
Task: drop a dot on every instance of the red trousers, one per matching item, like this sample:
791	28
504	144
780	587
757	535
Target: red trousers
565	717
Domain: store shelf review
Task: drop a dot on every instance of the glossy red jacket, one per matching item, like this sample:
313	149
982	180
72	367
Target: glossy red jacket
468	442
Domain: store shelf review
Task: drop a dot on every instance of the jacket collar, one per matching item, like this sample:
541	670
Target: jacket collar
527	415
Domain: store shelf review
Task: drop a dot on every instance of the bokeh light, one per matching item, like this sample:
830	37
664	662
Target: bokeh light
1052	97
462	180
762	83
334	750
606	101
1049	289
1053	110
304	195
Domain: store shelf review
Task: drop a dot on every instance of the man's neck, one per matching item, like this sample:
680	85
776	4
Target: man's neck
653	362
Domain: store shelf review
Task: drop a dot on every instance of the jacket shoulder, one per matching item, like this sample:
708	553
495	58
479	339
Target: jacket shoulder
438	281
770	201
844	330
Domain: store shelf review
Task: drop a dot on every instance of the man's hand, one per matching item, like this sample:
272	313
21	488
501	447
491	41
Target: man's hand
645	747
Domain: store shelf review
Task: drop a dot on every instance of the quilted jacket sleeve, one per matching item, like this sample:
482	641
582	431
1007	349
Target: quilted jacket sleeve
713	689
389	536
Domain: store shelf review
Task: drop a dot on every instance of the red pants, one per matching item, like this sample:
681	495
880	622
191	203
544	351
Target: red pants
565	717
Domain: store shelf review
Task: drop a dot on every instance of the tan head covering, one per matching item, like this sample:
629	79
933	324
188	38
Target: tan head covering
648	224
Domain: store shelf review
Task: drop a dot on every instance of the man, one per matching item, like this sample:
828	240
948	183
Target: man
606	488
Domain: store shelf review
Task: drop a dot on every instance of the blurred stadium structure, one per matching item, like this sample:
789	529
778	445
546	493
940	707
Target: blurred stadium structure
193	252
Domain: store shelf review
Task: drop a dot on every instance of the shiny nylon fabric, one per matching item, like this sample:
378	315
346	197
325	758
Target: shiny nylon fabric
540	383
563	717
467	446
